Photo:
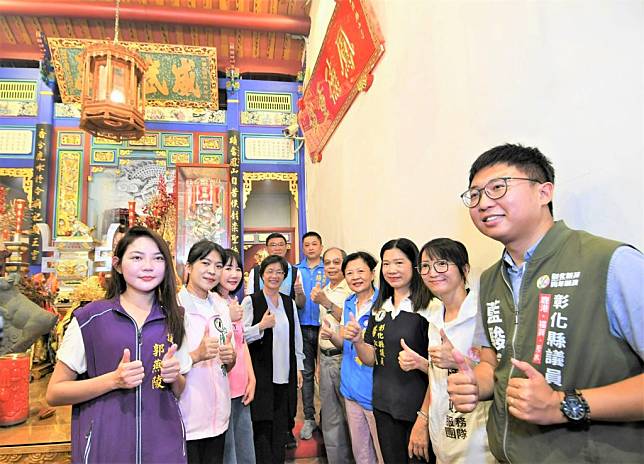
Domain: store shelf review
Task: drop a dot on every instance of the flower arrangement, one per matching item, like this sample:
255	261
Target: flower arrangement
159	212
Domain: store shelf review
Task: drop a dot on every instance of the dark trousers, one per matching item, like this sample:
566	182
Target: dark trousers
393	435
270	436
207	450
310	348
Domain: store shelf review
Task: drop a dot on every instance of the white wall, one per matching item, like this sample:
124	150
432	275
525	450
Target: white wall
459	77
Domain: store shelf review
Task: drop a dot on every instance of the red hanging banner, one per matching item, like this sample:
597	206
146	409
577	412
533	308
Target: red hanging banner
351	49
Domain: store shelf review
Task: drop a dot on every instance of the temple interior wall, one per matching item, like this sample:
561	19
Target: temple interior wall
459	77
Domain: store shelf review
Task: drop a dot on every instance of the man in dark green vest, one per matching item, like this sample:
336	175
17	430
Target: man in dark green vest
563	315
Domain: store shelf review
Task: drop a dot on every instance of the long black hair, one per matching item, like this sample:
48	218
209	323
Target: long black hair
166	292
231	257
419	294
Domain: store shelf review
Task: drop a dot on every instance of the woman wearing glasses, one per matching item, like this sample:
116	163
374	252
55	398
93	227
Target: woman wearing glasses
272	331
398	318
456	437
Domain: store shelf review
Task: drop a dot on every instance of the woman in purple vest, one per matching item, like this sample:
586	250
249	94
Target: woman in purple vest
119	364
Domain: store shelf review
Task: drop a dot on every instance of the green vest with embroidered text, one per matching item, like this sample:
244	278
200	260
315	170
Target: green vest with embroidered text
561	327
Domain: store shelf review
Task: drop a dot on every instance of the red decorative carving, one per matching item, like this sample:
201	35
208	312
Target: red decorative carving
352	47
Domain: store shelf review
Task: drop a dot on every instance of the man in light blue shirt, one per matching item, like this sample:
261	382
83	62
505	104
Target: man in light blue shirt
542	333
311	271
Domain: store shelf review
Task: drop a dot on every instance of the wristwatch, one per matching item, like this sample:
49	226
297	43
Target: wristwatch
575	408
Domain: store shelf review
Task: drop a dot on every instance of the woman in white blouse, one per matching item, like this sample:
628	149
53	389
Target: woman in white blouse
272	331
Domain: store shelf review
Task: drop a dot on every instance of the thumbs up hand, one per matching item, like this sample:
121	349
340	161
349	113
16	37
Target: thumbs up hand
410	360
128	374
463	388
299	289
441	355
352	330
170	365
227	353
236	311
326	332
531	399
207	349
316	293
268	320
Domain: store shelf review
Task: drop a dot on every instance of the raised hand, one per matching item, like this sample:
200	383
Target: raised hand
268	320
128	374
462	386
352	330
441	355
532	399
170	365
236	311
316	293
299	289
326	331
207	349
410	360
227	350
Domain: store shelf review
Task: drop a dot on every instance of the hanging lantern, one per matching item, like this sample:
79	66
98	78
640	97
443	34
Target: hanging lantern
113	97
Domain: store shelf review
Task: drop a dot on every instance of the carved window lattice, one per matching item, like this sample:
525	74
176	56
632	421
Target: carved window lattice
262	101
17	90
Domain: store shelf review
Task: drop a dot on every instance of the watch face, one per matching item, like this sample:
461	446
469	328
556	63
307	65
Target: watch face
573	408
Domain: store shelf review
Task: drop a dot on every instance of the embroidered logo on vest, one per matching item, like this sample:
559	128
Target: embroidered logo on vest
565	279
543	282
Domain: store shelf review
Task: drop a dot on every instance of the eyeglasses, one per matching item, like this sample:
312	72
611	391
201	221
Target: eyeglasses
276	245
440	266
494	190
271	272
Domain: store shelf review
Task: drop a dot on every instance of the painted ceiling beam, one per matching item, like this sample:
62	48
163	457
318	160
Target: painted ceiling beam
255	65
159	14
20	52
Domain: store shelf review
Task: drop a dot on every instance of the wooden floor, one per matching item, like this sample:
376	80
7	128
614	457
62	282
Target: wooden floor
47	440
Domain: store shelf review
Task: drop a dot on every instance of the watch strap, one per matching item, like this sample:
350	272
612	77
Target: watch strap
584	421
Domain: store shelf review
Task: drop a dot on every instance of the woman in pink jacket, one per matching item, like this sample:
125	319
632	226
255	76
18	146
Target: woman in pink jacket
239	447
205	402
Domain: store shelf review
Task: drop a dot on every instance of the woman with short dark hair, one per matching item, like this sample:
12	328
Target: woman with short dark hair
456	437
272	331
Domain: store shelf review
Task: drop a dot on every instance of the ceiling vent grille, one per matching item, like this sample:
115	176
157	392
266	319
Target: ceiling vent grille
260	101
17	90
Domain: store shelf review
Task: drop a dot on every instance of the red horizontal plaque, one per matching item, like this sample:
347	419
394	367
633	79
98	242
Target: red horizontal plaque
351	49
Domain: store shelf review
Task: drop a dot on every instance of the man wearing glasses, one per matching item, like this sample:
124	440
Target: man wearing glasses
276	245
331	298
563	316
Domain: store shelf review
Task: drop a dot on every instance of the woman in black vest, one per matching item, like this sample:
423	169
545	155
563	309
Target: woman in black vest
398	317
272	331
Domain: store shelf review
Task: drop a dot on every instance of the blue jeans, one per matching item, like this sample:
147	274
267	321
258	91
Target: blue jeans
310	342
239	437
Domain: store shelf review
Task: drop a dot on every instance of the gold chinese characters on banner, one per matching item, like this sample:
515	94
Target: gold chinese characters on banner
177	75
